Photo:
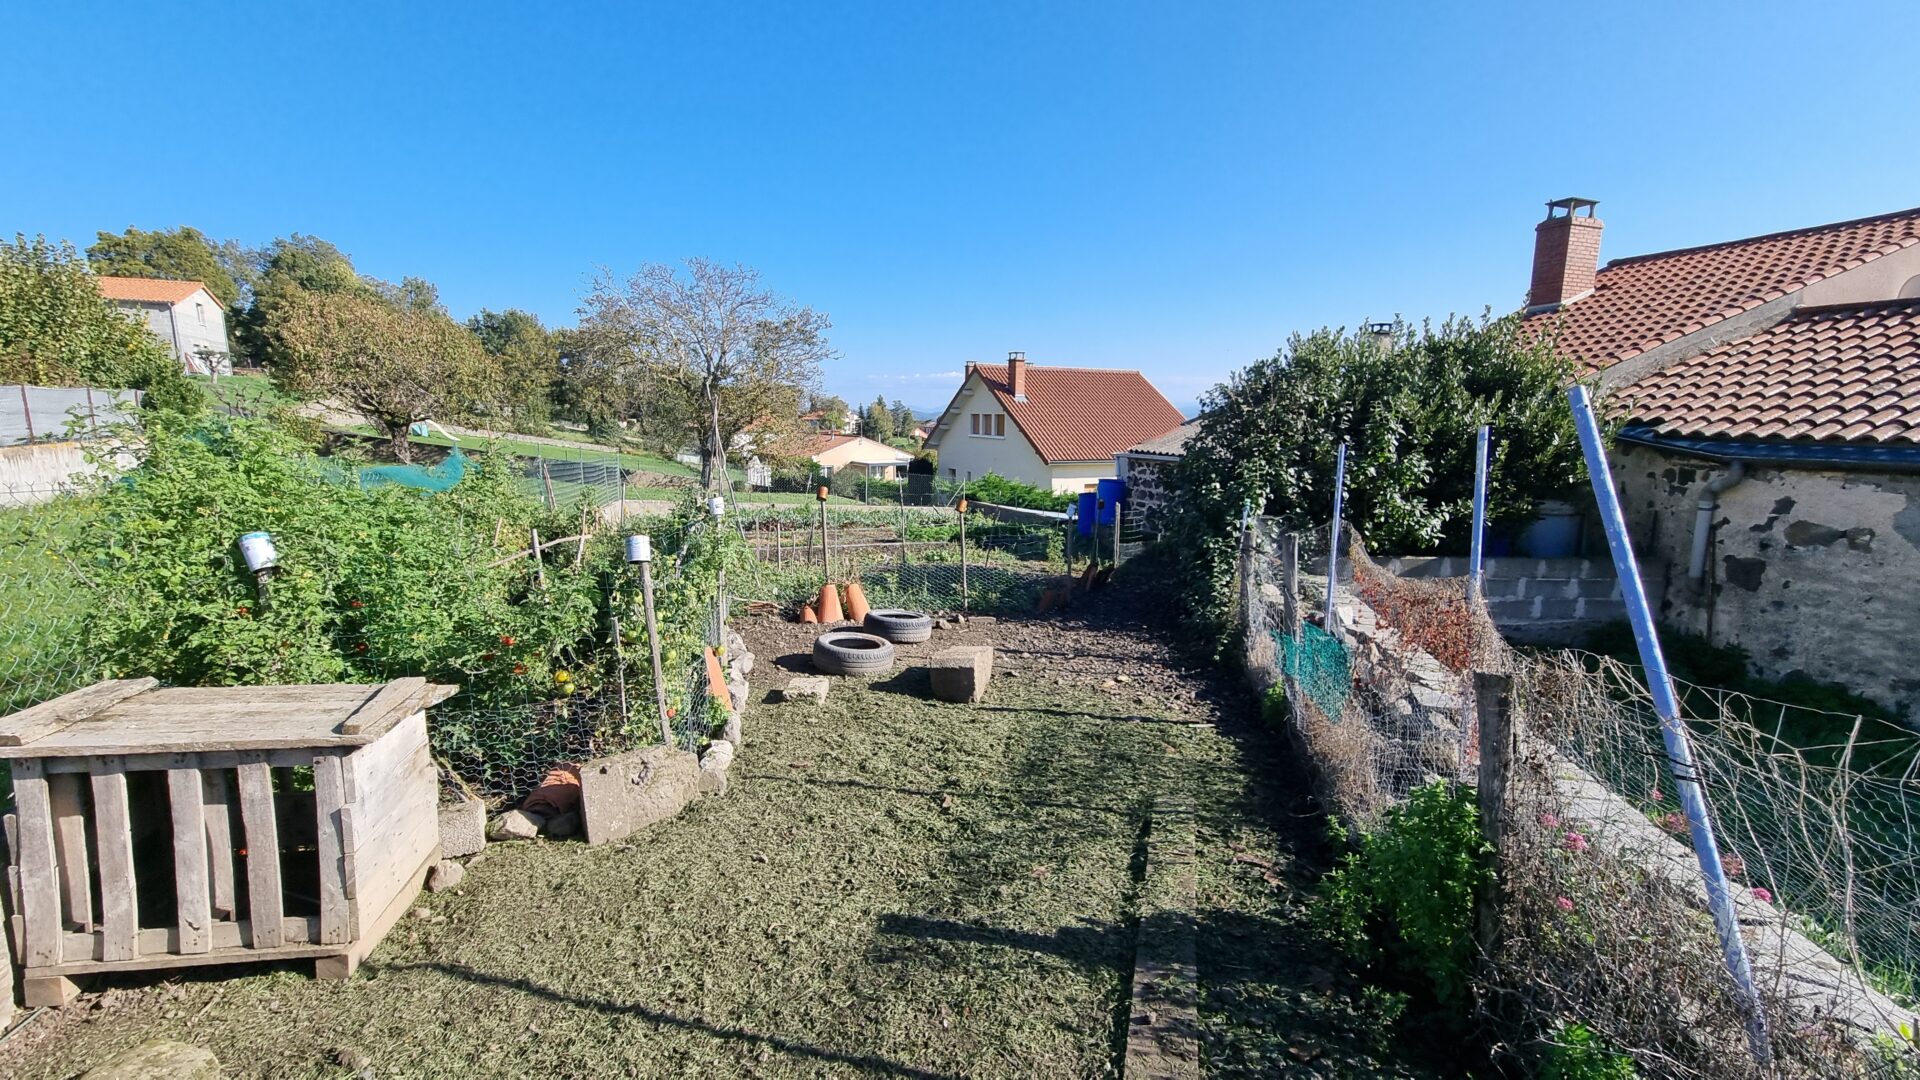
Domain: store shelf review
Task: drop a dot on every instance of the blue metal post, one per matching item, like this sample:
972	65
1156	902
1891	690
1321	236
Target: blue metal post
1479	516
1333	535
1679	750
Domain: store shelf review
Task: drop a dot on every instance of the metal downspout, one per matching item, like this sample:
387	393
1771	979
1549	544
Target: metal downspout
1703	522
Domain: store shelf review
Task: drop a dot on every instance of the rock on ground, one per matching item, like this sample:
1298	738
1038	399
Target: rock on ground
516	825
159	1060
445	875
625	793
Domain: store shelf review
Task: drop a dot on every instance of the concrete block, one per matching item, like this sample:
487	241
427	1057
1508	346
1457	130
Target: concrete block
961	673
625	793
516	825
463	828
159	1060
807	688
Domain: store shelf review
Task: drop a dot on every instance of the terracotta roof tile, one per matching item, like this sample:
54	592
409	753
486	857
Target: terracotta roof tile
1083	414
1796	380
149	290
1649	300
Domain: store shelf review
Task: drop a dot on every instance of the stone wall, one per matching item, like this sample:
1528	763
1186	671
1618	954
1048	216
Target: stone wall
1544	601
1149	490
1813	572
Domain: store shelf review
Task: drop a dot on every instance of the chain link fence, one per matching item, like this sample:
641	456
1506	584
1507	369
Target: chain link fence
1604	916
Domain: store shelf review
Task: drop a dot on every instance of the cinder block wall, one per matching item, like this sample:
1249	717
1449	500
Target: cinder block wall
1544	601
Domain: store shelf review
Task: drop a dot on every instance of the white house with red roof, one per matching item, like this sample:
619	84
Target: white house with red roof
1770	453
183	314
1053	427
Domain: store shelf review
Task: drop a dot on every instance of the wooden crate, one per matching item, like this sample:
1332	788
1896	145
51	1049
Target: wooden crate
163	828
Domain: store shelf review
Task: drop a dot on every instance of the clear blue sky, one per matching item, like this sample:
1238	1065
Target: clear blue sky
1174	187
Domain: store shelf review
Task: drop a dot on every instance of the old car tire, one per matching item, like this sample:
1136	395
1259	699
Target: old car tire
895	624
849	652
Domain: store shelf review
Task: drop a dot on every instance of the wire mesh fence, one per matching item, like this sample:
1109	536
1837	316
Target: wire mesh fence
1605	913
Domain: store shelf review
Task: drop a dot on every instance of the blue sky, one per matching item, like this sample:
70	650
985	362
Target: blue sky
1173	187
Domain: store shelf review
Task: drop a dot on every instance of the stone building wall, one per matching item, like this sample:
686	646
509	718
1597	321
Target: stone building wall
1812	571
1149	490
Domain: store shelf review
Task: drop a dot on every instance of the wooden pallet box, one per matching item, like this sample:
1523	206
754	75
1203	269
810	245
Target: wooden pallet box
162	828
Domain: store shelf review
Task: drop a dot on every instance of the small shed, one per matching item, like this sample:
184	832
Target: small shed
163	828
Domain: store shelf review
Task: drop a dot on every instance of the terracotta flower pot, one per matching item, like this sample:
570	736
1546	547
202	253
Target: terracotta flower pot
829	604
856	602
807	615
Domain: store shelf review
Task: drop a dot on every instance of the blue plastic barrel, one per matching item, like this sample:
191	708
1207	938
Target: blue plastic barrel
1087	513
1109	492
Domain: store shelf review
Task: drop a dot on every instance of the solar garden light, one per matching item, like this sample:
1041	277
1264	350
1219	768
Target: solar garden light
639	549
261	559
716	506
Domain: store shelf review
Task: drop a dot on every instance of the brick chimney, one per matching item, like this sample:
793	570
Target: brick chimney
1017	375
1566	254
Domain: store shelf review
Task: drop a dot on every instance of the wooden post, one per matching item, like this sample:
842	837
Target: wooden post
539	565
653	645
1499	735
620	669
26	410
1290	583
963	556
826	564
546	478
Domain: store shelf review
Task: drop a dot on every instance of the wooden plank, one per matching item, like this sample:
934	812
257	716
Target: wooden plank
387	773
191	729
50	991
43	719
70	850
311	696
222	954
343	965
39	880
386	851
393	703
209	759
330	802
193	891
113	841
263	853
216	798
159	942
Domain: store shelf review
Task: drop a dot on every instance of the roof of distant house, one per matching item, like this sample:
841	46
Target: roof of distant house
1172	444
1844	373
1082	414
816	445
1640	303
151	290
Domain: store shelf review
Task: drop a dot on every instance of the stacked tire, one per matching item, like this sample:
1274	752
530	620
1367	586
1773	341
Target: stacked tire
899	625
850	652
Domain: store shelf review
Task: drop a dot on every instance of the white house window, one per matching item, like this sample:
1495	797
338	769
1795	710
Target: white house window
200	312
990	425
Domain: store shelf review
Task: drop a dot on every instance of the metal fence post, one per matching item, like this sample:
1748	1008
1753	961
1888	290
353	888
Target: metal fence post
653	646
1673	732
963	555
1479	516
1497	738
1333	533
26	410
1116	533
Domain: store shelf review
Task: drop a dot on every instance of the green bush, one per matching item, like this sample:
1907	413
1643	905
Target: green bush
1273	706
1408	409
1578	1053
997	489
372	583
1406	893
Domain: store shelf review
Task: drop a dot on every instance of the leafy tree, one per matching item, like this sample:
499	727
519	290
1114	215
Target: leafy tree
1408	408
713	348
56	330
833	409
182	254
283	271
529	362
397	363
903	421
878	423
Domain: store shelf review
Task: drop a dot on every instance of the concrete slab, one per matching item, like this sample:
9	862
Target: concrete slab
961	673
625	793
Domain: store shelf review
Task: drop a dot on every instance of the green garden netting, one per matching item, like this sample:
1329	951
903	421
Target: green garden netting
1319	666
433	478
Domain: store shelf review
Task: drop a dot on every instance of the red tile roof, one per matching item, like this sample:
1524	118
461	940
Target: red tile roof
1083	414
1646	301
1848	373
149	290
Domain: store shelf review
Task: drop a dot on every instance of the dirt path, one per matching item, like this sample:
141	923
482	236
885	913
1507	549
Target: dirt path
894	887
